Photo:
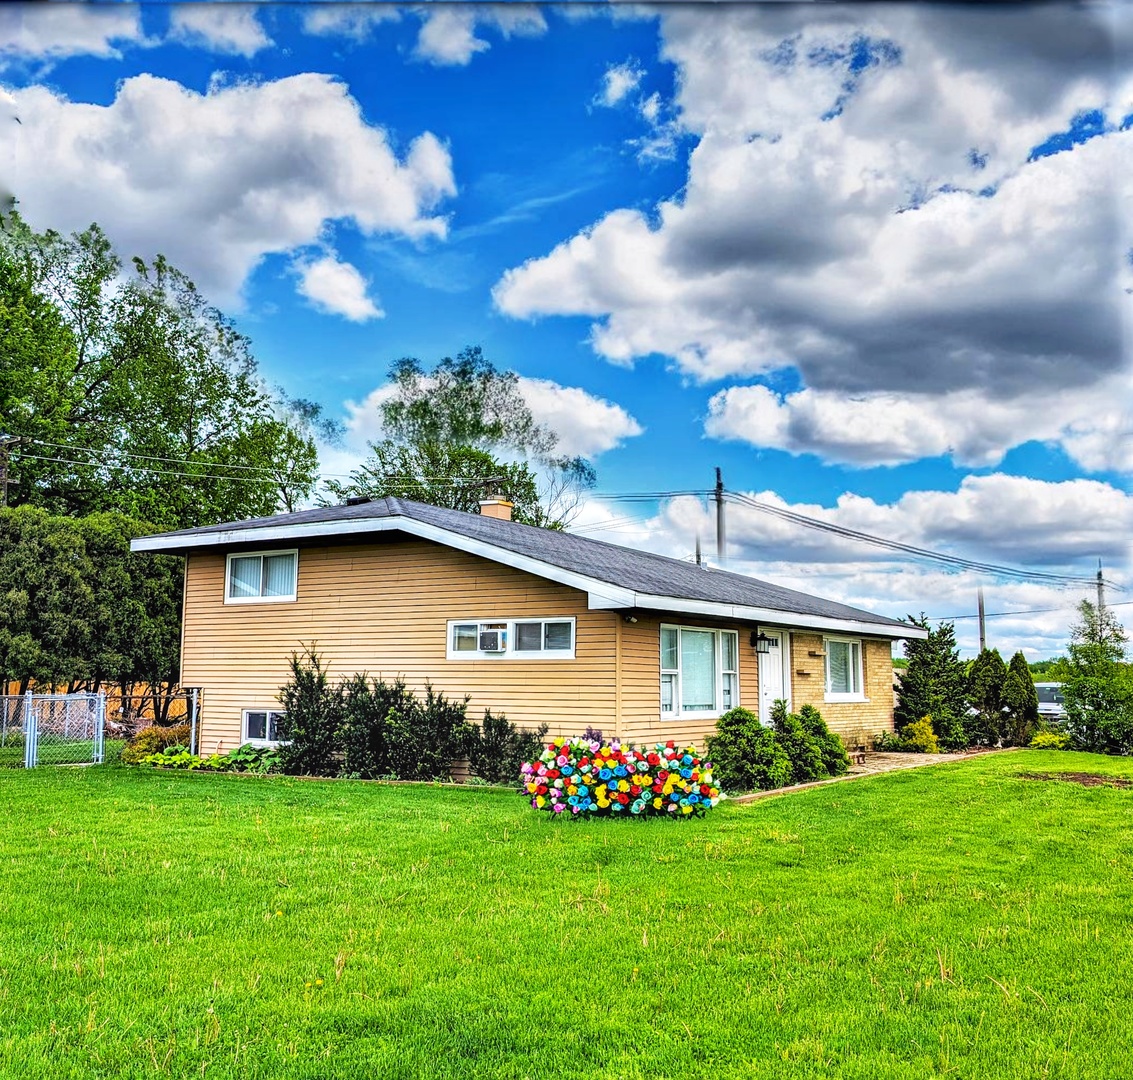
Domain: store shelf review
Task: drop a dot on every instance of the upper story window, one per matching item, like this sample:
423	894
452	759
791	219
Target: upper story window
261	577
517	639
699	671
843	669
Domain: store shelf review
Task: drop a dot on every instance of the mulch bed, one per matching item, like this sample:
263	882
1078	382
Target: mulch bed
1086	779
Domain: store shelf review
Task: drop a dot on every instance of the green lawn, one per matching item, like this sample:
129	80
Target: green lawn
956	921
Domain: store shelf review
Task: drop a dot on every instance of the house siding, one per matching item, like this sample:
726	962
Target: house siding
384	609
855	721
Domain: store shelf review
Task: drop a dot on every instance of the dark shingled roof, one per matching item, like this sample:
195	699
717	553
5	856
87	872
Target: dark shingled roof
640	571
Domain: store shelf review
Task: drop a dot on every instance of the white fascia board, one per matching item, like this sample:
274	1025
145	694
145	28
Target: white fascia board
773	618
600	594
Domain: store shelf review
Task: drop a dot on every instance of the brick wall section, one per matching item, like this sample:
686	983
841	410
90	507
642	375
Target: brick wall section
853	720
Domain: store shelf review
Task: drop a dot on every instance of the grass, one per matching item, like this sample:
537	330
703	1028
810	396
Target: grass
958	921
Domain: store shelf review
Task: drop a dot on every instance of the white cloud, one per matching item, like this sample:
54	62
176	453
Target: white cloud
586	425
355	21
619	81
336	288
448	31
216	181
887	429
860	207
50	31
222	27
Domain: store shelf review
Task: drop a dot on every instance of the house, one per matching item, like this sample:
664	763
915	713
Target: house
543	626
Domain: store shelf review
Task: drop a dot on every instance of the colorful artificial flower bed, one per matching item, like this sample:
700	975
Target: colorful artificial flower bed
578	776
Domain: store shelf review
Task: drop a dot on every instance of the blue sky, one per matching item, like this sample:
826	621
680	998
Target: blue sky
872	267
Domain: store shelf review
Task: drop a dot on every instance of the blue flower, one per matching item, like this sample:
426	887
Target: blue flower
686	773
693	799
605	774
583	791
620	770
573	800
567	770
687	759
675	797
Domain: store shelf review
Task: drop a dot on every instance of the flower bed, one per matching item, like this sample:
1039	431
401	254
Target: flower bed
579	776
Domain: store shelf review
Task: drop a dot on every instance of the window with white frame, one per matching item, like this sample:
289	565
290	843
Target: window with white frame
261	726
843	669
699	671
261	577
516	639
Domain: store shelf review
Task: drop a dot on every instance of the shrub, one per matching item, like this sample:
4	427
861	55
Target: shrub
312	718
497	749
801	747
426	737
153	740
885	742
746	756
1050	740
920	738
834	756
363	737
580	778
177	757
251	758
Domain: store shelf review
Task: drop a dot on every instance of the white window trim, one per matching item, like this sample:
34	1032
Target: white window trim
290	598
828	695
710	714
244	728
512	653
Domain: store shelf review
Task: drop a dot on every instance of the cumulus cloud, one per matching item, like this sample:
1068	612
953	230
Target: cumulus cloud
1010	520
448	32
618	82
888	428
226	177
347	20
586	425
224	28
863	206
336	288
46	31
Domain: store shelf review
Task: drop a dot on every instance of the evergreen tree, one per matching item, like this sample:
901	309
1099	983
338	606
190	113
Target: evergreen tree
985	695
1098	685
1020	703
934	685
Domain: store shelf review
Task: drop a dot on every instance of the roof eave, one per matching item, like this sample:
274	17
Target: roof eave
601	595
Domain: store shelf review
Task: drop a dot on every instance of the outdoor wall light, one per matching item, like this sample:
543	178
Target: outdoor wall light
760	642
630	618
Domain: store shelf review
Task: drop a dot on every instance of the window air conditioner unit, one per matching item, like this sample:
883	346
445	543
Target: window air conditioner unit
493	640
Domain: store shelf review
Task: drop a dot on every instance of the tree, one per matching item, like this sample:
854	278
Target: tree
985	695
1098	686
453	476
79	610
934	684
134	394
1020	702
466	404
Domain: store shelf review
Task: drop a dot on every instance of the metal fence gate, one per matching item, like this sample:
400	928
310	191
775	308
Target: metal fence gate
52	729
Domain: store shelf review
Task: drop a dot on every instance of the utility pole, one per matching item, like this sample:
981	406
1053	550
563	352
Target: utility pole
6	480
721	538
1101	590
698	558
983	628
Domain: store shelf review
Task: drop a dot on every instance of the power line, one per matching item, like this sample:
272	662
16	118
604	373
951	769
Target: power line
1026	611
909	549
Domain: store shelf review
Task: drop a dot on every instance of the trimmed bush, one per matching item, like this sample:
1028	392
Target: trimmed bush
920	738
577	778
1050	740
498	749
801	747
746	756
153	740
834	756
312	718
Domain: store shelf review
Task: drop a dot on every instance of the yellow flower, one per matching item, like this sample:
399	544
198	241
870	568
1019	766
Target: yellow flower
623	785
657	802
572	789
540	801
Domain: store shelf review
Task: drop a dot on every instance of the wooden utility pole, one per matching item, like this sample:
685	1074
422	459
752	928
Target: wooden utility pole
983	628
6	479
721	538
1101	589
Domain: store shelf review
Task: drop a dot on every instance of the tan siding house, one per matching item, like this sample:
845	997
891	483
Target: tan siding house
544	627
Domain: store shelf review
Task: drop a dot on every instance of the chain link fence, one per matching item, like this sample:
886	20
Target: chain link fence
52	729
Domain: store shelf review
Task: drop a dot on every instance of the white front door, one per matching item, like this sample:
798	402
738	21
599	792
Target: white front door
772	680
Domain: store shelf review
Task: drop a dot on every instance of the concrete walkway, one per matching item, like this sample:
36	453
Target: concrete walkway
873	764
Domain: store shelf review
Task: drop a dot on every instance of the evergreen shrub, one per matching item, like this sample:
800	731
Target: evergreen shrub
745	755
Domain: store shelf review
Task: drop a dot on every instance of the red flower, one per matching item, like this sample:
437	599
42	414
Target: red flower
705	789
663	775
653	759
623	798
670	744
553	773
634	789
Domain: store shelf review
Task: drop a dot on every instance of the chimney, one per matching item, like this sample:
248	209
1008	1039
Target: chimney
496	507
